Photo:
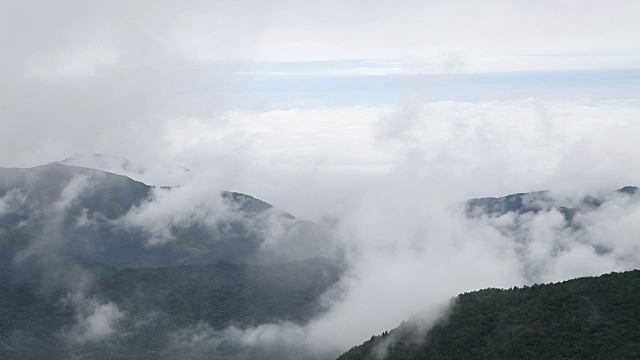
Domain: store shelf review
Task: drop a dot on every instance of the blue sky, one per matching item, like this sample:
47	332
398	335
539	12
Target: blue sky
312	84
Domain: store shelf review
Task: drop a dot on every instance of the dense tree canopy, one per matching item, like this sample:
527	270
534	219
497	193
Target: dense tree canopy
159	302
586	318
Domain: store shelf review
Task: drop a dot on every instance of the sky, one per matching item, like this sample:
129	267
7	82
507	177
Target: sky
371	116
83	78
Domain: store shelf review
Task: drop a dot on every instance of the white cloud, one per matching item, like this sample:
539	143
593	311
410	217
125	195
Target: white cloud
410	253
46	246
87	77
313	162
194	202
95	320
11	201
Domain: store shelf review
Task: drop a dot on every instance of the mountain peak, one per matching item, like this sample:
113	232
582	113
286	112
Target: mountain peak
157	174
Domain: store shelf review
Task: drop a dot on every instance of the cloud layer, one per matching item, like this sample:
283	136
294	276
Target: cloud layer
109	78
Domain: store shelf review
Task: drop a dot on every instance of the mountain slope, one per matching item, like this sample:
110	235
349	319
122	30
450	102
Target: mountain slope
586	318
155	305
40	205
221	293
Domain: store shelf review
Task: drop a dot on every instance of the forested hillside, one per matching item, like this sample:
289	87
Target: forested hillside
586	318
158	303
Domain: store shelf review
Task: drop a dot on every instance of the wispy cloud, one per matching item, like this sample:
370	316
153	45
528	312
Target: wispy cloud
95	320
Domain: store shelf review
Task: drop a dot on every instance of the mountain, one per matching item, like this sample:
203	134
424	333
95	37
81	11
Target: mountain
585	318
534	202
151	307
158	174
56	219
97	265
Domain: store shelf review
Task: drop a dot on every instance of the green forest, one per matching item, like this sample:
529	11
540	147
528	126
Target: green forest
158	302
585	318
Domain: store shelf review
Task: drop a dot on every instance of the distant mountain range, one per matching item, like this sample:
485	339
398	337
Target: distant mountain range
56	215
95	264
534	202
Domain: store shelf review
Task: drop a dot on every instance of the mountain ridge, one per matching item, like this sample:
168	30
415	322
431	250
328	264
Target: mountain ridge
157	175
99	217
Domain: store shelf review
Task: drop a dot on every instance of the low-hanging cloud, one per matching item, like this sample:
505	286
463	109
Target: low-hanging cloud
410	244
47	246
11	201
47	249
179	207
95	320
409	263
280	236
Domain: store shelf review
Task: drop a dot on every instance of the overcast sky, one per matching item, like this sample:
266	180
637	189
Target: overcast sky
109	77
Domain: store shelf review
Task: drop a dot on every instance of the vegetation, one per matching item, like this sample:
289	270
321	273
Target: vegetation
159	302
586	318
224	293
30	321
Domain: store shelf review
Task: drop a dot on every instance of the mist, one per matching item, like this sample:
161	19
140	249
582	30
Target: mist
409	244
408	261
